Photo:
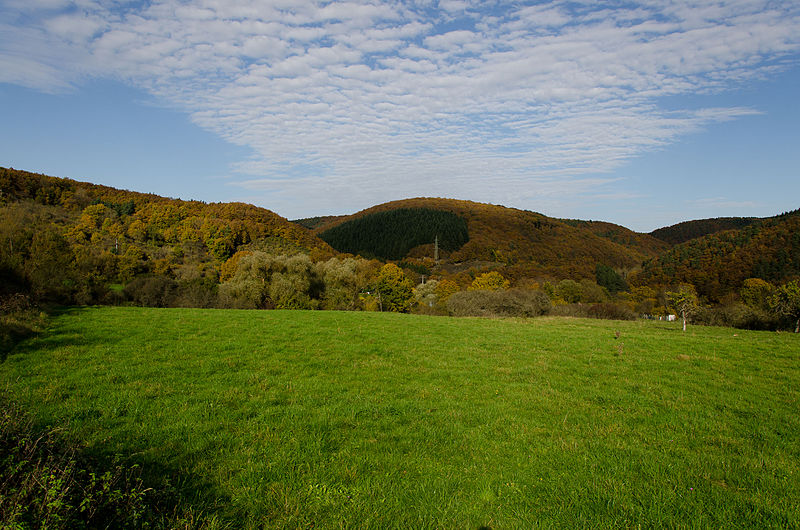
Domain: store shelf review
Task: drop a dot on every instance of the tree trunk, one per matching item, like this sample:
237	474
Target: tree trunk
683	314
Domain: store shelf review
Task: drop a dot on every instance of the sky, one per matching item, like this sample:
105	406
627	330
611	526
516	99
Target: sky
642	113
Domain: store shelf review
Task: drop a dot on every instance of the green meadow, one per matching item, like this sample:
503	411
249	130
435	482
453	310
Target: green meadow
369	420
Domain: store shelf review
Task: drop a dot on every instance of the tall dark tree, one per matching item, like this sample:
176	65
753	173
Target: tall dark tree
610	279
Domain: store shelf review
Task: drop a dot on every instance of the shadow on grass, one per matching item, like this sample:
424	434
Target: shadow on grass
17	327
174	497
112	490
11	334
51	480
27	331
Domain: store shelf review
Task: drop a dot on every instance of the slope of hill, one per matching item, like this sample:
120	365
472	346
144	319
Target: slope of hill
74	239
682	232
523	243
717	264
313	223
391	234
644	243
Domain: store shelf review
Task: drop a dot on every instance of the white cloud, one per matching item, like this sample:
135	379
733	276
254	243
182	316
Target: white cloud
354	102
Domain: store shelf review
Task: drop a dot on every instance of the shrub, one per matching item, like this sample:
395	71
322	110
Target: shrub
490	281
570	310
425	297
198	292
151	291
514	302
756	293
736	316
609	311
591	293
569	290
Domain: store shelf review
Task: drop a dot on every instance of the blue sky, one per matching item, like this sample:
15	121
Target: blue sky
639	113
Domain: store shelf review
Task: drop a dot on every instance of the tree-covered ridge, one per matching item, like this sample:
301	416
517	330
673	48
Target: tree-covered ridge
521	242
72	241
165	219
687	230
314	223
718	264
644	243
392	234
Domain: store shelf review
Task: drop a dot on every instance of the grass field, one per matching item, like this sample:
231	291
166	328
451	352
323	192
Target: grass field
329	419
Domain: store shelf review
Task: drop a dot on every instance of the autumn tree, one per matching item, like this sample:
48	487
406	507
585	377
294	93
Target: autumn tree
425	294
592	293
684	301
786	302
295	285
489	281
756	293
394	289
248	288
569	290
445	288
49	268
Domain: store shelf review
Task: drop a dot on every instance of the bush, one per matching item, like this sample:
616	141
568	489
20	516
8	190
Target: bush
569	290
736	316
570	310
151	291
511	303
609	311
199	292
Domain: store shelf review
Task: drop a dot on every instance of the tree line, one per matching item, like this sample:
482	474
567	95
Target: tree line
67	242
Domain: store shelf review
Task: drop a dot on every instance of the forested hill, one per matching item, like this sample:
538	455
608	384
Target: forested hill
314	223
521	243
644	243
718	263
77	239
392	234
682	232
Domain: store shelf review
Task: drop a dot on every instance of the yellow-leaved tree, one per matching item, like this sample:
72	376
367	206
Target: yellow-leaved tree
489	281
394	289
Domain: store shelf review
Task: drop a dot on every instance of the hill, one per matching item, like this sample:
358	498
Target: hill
521	243
644	243
682	232
72	240
392	234
82	243
313	223
718	263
